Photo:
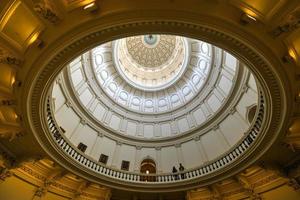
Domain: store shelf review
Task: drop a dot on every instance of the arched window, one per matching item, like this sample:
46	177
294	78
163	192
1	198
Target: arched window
148	166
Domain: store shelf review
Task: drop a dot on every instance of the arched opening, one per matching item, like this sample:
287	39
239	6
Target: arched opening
148	167
251	113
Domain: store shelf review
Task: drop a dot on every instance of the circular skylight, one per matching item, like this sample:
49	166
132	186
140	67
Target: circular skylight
151	40
151	62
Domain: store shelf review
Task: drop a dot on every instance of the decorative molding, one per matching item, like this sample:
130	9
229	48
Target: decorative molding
45	10
138	147
8	58
158	148
8	102
290	23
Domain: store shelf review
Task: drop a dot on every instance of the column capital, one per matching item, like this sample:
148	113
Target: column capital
83	122
138	147
232	110
178	145
68	104
197	138
216	127
100	134
158	148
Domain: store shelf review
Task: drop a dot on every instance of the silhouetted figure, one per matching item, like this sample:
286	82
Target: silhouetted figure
174	170
181	169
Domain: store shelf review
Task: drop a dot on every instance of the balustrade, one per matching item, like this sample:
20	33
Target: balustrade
210	167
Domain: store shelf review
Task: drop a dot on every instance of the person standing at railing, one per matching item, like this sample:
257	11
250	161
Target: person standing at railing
181	169
174	170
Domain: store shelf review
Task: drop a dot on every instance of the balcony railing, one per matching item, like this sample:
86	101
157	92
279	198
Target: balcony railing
208	168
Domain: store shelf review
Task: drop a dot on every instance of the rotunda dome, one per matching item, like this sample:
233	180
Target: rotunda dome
155	98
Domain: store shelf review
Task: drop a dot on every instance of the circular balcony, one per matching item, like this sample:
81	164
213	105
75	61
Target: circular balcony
161	178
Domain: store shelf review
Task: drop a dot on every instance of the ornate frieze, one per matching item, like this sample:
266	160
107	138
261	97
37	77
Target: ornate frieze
46	10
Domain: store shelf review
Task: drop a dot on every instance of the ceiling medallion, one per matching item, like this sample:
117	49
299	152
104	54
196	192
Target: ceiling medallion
151	40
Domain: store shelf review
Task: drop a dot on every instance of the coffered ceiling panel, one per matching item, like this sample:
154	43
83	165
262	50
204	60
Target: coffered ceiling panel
20	26
262	9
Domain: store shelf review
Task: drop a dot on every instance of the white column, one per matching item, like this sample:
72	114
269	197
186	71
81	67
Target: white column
179	154
221	137
94	105
82	88
107	116
219	94
209	109
201	149
123	125
239	118
77	130
140	131
116	155
191	120
158	160
137	158
92	152
157	132
55	108
174	127
63	109
205	110
91	104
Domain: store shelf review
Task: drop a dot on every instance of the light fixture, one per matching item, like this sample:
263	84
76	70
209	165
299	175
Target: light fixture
297	98
292	54
34	38
13	80
247	18
251	17
290	57
36	41
147	171
91	7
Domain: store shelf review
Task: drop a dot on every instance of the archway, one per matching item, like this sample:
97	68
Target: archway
148	167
